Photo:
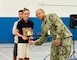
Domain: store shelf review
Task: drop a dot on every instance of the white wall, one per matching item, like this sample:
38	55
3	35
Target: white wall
9	8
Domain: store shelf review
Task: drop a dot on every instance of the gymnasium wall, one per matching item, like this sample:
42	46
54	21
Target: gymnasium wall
6	24
63	8
9	13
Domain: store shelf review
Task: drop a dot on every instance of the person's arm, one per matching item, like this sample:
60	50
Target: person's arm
42	39
58	24
20	35
17	31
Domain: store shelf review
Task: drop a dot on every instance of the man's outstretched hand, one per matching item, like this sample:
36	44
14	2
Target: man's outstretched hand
57	42
31	42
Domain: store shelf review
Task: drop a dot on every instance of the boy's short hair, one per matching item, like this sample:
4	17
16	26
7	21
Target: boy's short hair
20	11
25	9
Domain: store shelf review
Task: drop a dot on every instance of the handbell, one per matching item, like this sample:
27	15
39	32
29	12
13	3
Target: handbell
29	33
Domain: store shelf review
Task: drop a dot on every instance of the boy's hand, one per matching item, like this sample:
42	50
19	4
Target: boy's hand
24	38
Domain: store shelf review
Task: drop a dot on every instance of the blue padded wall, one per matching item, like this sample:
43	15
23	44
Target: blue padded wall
6	24
66	21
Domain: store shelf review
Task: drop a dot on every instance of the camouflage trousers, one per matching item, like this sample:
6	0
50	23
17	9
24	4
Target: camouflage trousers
63	51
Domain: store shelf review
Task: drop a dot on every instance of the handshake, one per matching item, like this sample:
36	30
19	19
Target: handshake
30	40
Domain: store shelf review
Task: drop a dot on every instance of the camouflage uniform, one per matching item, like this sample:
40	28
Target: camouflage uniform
57	30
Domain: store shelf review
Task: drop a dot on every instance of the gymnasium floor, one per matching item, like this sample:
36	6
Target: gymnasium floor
38	52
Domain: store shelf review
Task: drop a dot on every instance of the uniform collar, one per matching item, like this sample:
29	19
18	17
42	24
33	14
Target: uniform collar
45	20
